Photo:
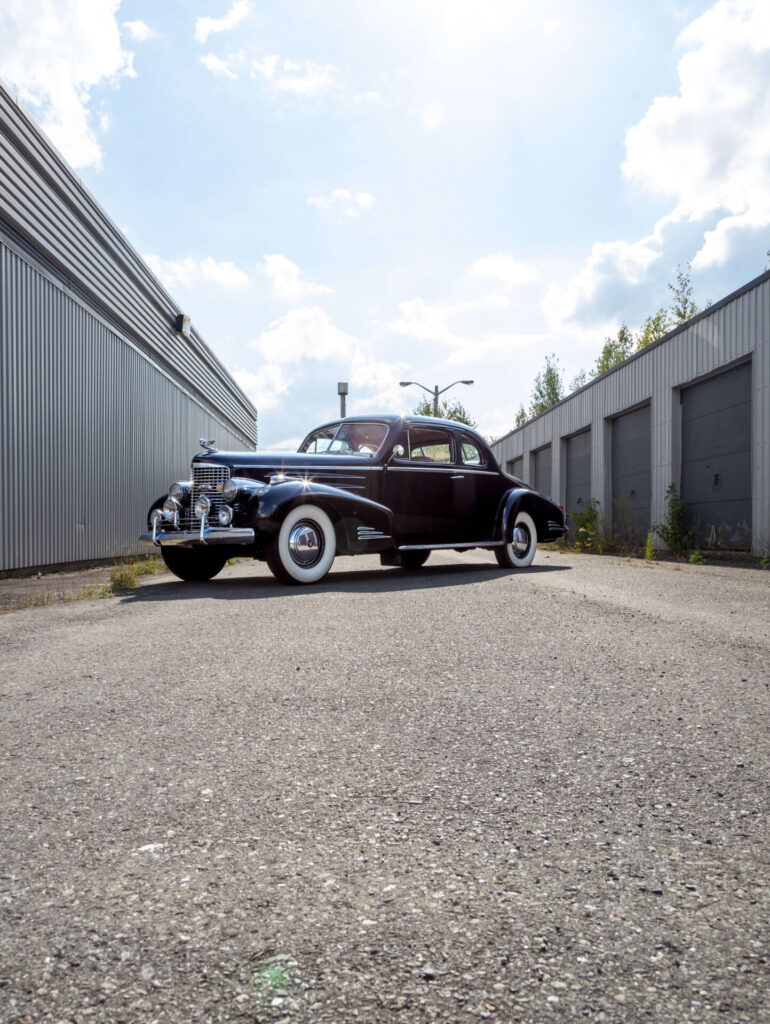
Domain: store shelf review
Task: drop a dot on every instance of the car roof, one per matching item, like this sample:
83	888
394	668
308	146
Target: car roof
391	418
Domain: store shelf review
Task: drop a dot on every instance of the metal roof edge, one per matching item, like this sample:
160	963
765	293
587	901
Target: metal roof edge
101	213
755	283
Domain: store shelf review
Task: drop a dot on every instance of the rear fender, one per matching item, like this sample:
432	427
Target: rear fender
543	512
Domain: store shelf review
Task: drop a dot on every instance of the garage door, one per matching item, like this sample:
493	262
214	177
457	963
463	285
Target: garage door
541	476
631	475
578	471
515	467
716	459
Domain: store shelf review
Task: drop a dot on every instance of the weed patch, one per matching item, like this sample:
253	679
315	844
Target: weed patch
122	577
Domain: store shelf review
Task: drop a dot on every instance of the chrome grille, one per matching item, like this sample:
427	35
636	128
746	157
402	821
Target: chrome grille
206	480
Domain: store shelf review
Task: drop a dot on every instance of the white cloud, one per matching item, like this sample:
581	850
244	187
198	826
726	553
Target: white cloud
429	322
343	202
54	55
433	114
286	279
708	148
204	27
610	264
138	30
266	387
508	271
223	67
302	78
305	333
190	272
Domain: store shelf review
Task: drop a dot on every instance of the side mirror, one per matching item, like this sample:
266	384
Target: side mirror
398	451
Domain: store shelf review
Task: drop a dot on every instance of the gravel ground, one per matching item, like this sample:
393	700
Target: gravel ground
456	794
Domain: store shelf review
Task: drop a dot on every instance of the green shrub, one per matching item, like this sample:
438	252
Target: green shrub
673	531
765	560
696	558
585	528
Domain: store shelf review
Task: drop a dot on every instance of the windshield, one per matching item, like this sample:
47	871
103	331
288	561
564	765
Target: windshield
346	439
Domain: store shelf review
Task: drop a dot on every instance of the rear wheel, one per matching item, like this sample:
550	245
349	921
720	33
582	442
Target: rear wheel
192	565
304	548
520	553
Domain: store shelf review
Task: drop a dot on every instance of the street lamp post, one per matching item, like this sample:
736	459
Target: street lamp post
433	391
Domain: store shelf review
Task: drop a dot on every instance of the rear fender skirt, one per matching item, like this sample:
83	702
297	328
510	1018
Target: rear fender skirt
361	524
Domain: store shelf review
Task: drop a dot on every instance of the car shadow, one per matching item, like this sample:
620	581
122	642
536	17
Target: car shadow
367	581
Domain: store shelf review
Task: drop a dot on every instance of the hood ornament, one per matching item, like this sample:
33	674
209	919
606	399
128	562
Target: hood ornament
208	445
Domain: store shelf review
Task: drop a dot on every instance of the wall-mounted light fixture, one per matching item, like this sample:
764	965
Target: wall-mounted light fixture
182	324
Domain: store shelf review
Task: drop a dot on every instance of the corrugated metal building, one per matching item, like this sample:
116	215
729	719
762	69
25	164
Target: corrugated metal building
692	409
102	400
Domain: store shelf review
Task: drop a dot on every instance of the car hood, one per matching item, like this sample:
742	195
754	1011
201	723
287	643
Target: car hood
261	465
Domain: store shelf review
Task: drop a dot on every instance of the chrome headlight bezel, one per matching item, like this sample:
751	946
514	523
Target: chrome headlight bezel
171	509
202	506
235	488
225	515
180	490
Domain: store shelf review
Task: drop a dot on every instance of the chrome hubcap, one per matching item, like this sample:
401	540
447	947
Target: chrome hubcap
305	544
520	541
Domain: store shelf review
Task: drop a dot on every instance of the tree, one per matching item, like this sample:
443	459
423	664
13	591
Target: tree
614	351
446	411
683	307
654	327
521	417
578	381
767	265
548	388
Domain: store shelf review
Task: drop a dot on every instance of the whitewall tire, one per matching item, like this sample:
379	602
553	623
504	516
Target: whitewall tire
520	553
304	548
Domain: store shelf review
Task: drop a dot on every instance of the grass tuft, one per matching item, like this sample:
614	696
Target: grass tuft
122	577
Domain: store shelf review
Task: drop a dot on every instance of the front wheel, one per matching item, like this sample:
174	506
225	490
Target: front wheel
303	549
191	565
415	559
520	553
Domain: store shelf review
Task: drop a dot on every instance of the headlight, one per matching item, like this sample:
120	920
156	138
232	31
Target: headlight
180	491
225	516
202	506
229	489
171	509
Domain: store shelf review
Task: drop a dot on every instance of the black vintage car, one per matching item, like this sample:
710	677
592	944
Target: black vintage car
400	486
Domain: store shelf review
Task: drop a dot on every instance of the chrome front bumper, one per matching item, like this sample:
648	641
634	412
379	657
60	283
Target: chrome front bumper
225	536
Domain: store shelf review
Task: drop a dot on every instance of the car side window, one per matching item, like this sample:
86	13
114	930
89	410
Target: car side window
430	444
470	454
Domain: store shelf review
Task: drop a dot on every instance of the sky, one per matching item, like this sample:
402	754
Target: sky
426	190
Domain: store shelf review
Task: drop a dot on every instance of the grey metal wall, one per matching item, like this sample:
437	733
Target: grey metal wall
728	333
716	458
102	401
631	475
91	430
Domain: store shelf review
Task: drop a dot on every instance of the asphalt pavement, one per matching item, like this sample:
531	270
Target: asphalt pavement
453	794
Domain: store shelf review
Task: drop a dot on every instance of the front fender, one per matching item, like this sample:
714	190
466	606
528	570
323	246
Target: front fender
355	518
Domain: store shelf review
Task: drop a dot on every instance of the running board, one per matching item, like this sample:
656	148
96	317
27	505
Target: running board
438	547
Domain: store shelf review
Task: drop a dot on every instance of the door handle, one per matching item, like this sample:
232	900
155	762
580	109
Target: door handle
457	476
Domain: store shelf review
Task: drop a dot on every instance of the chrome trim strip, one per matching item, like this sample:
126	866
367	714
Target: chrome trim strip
437	547
435	467
193	538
